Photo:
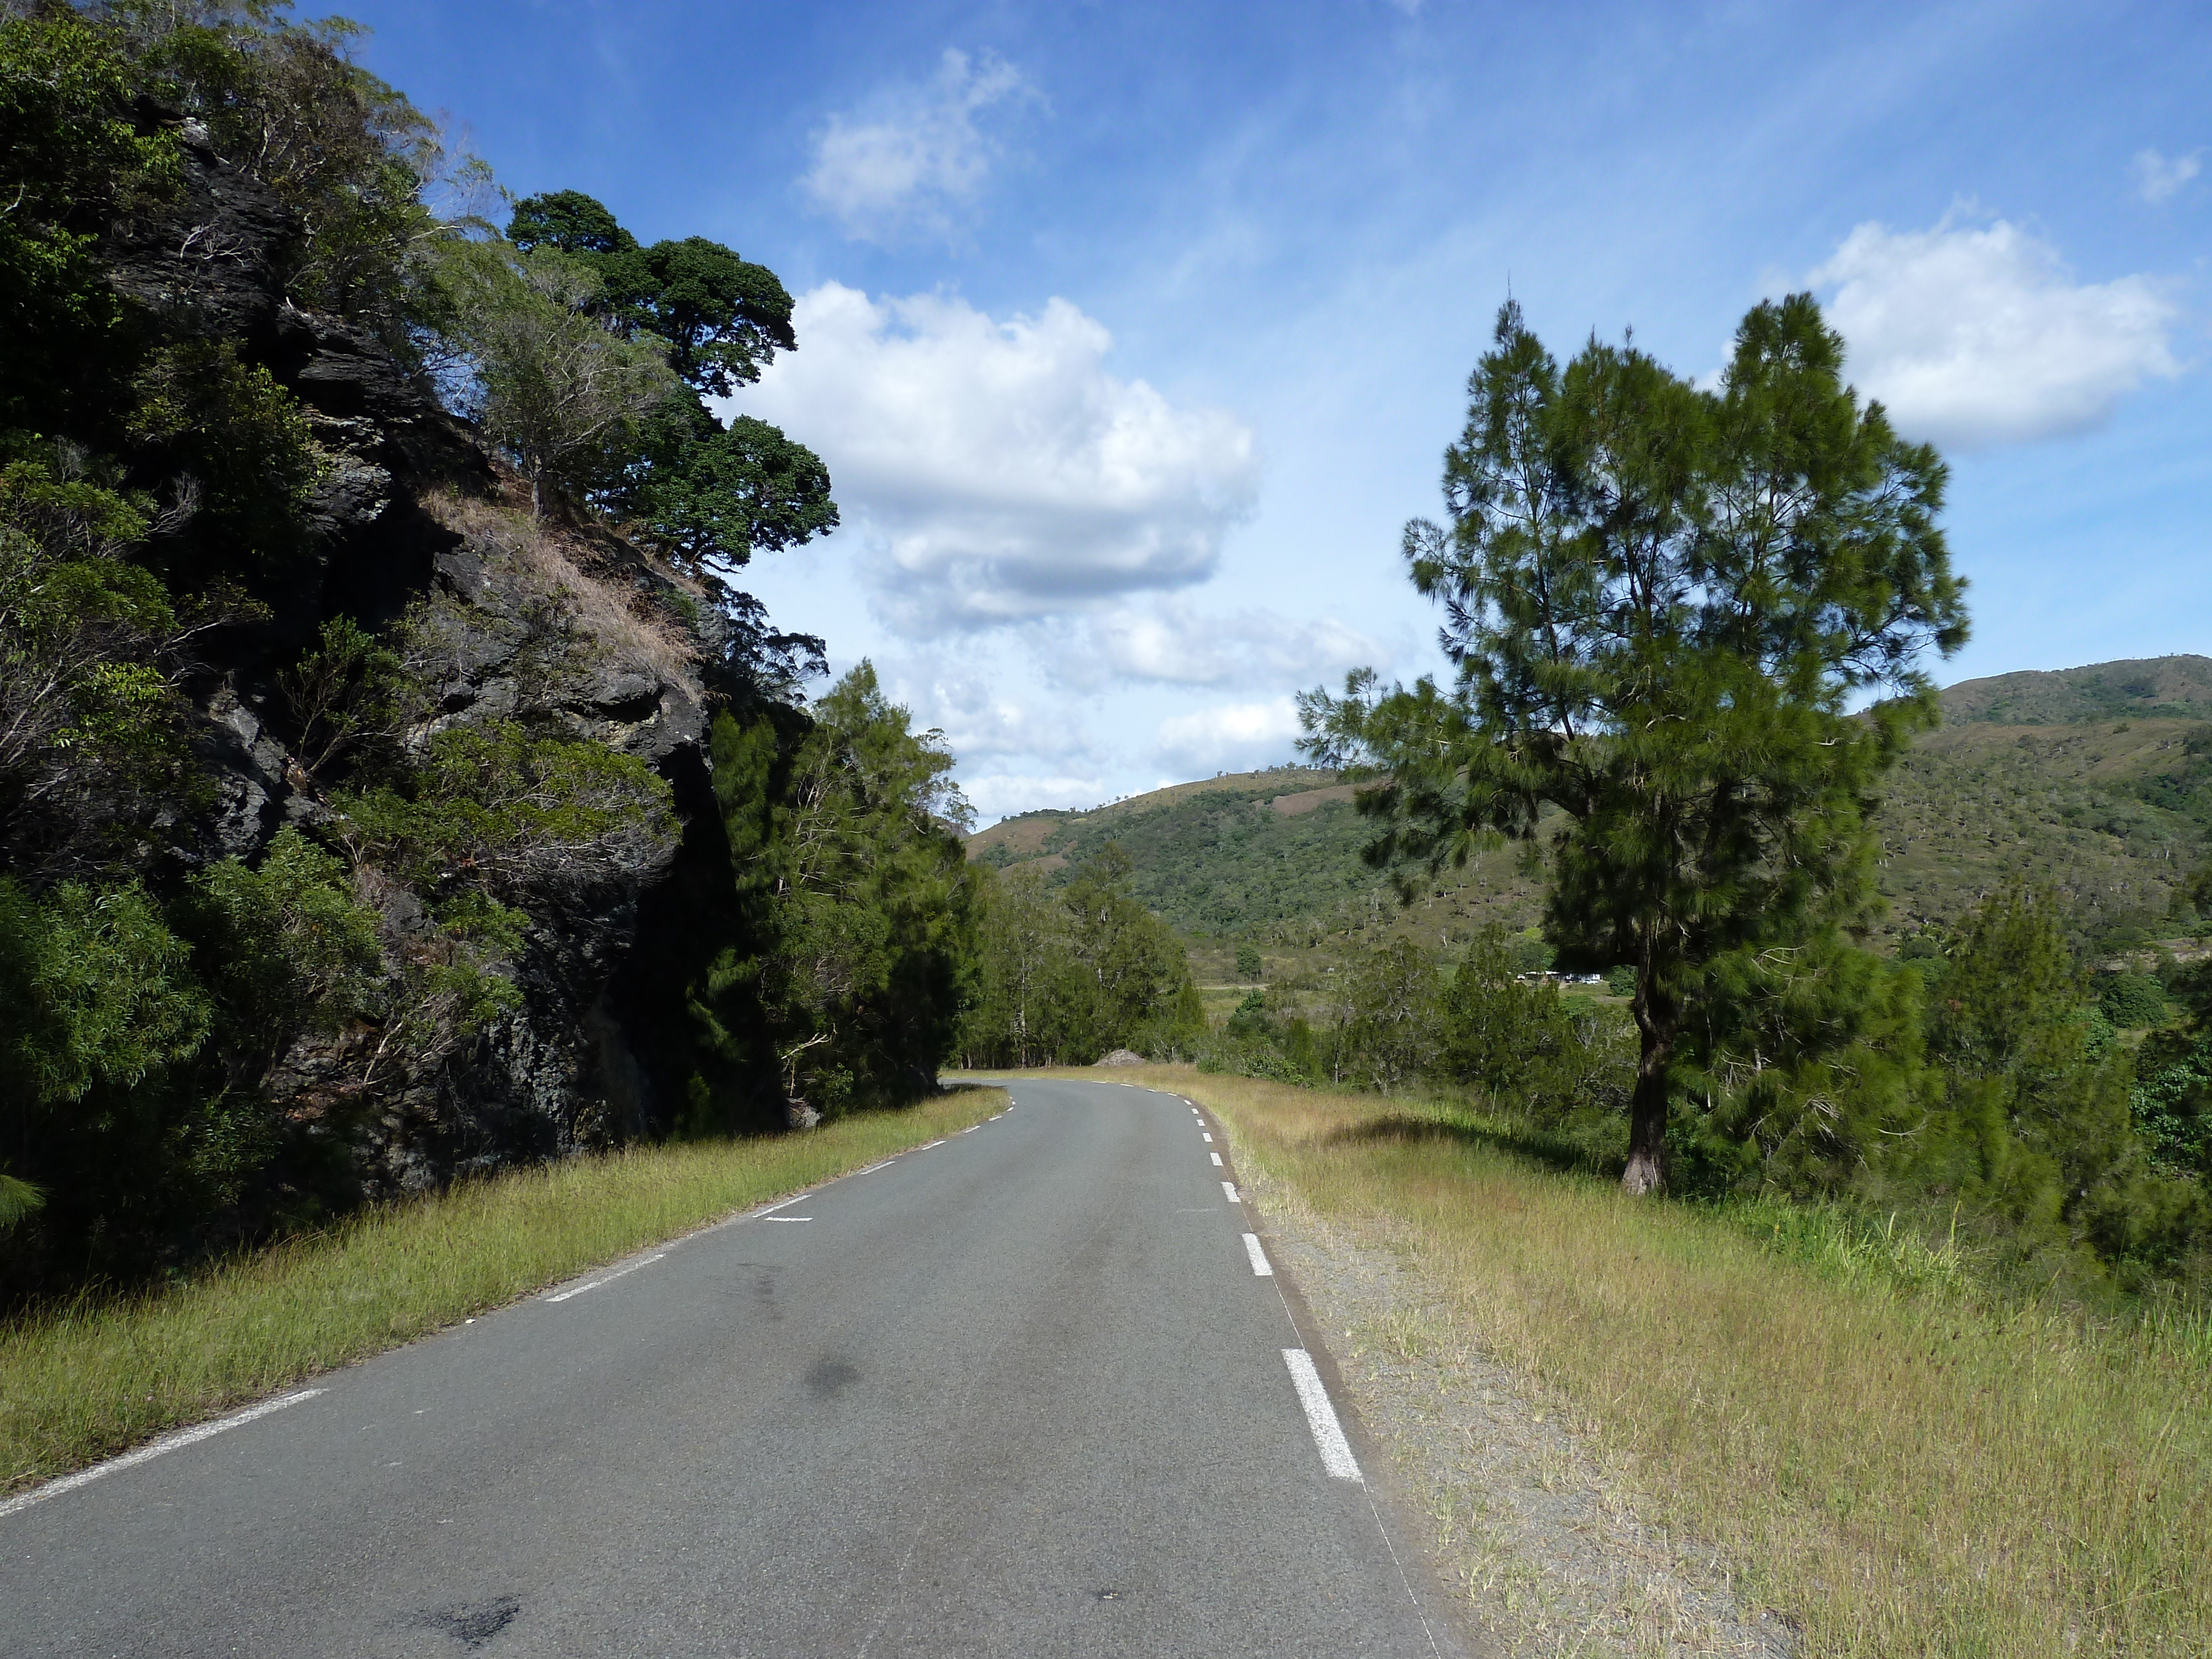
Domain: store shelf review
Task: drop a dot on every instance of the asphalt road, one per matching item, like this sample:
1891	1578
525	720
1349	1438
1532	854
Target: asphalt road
1021	1392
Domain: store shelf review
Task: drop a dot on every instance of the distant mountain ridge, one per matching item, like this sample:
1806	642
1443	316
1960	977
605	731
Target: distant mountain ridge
2095	780
2149	688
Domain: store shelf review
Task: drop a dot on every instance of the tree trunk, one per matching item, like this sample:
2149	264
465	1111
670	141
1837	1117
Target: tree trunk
1647	1127
1647	1108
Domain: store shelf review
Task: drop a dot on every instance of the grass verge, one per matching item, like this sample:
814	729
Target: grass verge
1899	1465
81	1383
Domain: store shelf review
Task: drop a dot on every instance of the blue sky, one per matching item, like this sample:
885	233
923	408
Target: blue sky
1133	333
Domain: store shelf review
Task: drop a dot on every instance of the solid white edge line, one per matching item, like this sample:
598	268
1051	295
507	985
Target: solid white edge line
1229	1188
1320	1416
607	1278
153	1449
1260	1265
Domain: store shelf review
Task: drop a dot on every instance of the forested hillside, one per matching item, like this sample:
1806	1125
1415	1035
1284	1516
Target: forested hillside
394	782
2097	782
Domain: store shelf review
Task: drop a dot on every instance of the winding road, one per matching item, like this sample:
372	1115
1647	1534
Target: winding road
1034	1390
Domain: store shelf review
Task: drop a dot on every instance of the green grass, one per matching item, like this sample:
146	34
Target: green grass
84	1382
1903	1465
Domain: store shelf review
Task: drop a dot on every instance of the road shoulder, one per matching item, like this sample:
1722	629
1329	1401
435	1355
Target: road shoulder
1531	1530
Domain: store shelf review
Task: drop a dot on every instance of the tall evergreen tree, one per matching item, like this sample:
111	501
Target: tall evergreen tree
1661	602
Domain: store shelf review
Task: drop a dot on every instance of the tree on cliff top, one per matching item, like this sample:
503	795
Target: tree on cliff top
1661	601
707	494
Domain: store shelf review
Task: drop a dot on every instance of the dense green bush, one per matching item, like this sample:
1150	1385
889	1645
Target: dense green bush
1976	1087
850	945
2132	1002
285	948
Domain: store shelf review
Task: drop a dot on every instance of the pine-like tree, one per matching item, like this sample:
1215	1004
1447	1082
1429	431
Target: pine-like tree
1663	602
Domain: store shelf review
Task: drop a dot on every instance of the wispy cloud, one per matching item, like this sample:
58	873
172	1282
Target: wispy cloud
1229	737
1167	641
982	717
995	470
1975	336
920	157
2157	178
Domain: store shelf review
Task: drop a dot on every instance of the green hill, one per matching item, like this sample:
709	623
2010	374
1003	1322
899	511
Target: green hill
2065	778
2156	688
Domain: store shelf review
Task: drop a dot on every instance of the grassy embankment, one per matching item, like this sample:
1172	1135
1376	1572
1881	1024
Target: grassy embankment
89	1380
1904	1465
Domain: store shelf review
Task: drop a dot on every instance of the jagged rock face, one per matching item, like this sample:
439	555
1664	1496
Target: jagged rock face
503	633
510	621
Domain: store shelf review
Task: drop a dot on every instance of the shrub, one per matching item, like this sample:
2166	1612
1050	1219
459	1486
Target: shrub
503	810
2132	1002
285	948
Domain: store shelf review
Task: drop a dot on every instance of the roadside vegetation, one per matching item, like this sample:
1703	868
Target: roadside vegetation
2050	1121
1069	972
220	1027
1898	1458
85	1380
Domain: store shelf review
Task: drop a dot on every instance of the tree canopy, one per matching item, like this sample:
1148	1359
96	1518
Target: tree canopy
707	493
1662	602
722	318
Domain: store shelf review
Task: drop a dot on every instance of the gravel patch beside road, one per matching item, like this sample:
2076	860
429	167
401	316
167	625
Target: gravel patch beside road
1521	1508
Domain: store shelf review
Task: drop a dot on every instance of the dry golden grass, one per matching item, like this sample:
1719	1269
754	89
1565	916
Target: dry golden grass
1901	1468
94	1378
555	559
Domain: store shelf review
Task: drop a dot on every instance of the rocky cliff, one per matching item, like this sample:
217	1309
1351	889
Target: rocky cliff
507	618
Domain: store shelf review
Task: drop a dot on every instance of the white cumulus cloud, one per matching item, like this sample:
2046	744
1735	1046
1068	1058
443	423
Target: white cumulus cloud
982	718
1975	336
996	470
2157	178
1230	737
922	155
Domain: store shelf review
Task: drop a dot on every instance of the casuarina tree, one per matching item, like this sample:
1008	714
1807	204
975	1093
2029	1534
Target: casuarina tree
1662	603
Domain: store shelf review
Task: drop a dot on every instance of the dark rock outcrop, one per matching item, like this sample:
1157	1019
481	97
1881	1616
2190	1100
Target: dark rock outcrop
572	628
